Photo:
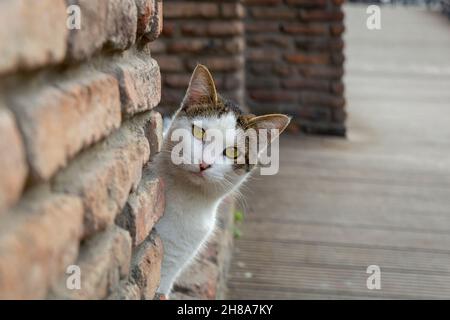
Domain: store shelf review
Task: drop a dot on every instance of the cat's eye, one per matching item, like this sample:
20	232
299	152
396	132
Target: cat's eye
198	132
231	152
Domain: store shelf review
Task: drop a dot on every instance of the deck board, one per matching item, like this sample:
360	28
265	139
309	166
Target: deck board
380	197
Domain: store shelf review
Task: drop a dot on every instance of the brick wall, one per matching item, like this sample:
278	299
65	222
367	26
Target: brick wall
294	61
207	32
77	131
268	55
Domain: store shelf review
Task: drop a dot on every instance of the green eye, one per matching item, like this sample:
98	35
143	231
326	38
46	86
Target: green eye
231	152
198	132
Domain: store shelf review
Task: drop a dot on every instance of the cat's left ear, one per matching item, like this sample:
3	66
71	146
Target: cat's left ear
201	88
279	122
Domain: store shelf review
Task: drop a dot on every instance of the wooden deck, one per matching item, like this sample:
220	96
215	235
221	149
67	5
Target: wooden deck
381	197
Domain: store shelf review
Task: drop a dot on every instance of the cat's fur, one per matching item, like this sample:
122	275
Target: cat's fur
193	195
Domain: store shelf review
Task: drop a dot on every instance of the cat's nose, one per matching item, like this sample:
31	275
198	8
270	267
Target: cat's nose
203	166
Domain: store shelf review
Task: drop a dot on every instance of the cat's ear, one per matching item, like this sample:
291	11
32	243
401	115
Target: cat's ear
201	88
269	122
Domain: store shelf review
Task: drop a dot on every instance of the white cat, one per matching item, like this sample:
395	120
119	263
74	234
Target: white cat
194	190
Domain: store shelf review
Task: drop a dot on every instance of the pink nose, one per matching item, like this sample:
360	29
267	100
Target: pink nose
204	166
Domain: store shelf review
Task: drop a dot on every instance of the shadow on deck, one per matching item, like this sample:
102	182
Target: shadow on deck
381	197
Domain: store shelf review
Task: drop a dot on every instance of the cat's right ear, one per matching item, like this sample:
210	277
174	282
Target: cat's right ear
201	88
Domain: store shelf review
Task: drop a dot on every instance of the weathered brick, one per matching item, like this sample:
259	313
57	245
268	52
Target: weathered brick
235	45
190	9
299	58
144	208
58	121
139	83
146	265
213	28
32	35
12	162
149	20
304	29
111	24
104	175
104	261
38	240
145	11
154	133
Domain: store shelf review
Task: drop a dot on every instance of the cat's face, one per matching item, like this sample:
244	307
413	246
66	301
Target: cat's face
210	139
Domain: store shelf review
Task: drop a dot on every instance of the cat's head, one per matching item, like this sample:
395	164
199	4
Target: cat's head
211	135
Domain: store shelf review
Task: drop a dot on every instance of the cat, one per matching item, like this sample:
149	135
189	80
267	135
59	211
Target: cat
195	190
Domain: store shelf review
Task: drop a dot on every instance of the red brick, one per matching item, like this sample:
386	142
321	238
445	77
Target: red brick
235	45
273	13
231	63
169	63
298	58
104	23
326	72
315	84
233	10
321	44
273	40
150	24
339	115
262	55
58	121
327	100
272	95
213	28
12	162
262	27
307	3
139	84
337	58
146	9
103	176
337	29
104	261
304	29
337	87
154	132
169	29
32	35
262	2
321	15
143	209
188	45
191	9
38	240
146	265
